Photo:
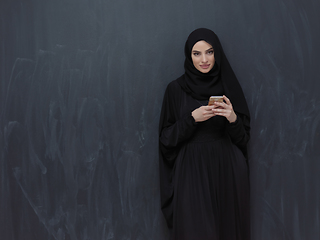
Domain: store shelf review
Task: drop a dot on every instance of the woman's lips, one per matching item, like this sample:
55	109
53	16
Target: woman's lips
205	66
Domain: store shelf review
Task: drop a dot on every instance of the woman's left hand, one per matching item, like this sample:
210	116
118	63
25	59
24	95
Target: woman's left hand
225	109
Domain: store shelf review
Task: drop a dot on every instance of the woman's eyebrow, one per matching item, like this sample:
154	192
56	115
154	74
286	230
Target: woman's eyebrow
200	51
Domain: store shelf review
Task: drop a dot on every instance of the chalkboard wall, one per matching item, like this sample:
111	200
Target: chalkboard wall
81	84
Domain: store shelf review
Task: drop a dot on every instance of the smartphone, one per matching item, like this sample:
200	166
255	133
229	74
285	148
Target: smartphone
213	99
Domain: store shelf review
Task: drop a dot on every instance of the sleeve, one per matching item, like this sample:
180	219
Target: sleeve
239	131
174	130
178	132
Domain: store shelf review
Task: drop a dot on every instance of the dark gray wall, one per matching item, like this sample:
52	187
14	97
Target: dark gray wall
81	88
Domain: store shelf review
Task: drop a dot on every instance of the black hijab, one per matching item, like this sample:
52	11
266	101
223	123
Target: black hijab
221	78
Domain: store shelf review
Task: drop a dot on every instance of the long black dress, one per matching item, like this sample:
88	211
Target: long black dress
204	174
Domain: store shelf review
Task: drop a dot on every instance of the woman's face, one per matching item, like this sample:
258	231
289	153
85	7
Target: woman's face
202	55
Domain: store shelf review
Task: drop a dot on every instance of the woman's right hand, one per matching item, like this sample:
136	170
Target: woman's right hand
203	113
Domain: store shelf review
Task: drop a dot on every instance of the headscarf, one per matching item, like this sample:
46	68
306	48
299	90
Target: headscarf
218	81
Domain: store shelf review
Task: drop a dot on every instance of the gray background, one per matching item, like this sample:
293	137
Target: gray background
82	83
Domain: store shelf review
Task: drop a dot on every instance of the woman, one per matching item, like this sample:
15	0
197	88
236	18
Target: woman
203	168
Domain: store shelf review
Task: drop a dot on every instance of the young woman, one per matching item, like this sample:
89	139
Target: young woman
203	167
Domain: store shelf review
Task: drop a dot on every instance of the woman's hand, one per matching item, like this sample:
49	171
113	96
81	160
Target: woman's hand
225	109
203	113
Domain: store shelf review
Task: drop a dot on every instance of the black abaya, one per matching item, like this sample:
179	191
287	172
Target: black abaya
204	174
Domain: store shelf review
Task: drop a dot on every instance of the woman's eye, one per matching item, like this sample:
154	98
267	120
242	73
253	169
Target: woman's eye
210	52
196	54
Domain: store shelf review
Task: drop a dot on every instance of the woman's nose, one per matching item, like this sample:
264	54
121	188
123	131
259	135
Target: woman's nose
204	59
